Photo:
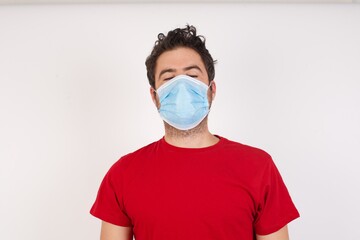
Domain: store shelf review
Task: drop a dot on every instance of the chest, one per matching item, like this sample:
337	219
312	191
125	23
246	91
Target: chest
188	192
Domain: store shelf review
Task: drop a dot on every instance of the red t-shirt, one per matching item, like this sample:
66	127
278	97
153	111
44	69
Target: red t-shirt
225	191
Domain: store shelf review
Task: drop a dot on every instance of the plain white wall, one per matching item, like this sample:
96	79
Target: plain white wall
74	98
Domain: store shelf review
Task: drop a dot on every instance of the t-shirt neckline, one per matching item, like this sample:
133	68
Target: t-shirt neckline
170	147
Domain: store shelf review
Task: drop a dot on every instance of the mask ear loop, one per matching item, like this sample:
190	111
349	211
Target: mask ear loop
210	88
210	85
154	91
156	98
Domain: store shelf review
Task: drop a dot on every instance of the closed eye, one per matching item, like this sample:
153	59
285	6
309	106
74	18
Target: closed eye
193	76
190	75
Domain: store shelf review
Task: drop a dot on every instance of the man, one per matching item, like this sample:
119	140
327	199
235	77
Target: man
191	184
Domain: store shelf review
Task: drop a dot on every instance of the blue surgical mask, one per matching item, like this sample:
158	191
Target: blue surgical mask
183	102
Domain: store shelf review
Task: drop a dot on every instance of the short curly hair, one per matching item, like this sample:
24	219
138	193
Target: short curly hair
179	37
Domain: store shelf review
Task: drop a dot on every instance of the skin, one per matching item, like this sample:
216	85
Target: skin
281	234
112	232
170	64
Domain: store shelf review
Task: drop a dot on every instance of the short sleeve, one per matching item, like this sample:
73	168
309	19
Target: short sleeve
108	205
275	208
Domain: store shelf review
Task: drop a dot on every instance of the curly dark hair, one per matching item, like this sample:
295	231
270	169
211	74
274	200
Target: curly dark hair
179	37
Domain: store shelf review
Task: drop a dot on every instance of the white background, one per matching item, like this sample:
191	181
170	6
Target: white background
74	98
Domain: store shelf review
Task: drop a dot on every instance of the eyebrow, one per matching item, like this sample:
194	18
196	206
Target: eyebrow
171	70
192	67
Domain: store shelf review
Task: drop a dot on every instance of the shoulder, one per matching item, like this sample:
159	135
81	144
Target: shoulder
134	157
253	165
246	155
246	150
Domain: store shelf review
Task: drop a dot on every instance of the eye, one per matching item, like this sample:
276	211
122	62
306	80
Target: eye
167	77
193	76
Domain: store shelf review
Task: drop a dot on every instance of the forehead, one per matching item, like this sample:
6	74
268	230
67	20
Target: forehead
178	58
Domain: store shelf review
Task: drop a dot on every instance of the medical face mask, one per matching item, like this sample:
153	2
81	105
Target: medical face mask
183	102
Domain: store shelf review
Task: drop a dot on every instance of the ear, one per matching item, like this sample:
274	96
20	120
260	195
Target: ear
213	89
153	95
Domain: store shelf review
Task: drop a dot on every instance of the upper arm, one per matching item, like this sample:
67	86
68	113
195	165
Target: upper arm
113	232
281	234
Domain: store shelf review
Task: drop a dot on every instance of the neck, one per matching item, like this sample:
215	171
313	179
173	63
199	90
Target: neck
197	137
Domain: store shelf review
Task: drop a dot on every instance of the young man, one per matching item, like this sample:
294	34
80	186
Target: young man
191	184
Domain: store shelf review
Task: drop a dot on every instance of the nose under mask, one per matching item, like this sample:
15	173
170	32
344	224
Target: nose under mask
183	102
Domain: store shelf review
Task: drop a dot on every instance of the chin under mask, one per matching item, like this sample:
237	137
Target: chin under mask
183	102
